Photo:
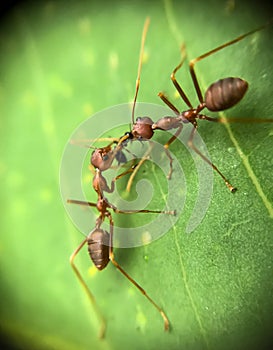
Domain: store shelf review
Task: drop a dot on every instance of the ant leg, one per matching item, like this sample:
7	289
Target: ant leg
137	167
116	210
86	142
166	147
116	264
75	201
190	143
168	102
230	120
87	290
176	84
199	58
106	188
128	171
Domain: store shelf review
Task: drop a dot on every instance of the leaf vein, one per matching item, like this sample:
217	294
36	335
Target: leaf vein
250	171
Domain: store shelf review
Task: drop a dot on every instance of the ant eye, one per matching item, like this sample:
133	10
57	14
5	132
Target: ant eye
106	157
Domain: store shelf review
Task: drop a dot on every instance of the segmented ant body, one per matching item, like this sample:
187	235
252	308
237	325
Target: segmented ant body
220	95
100	241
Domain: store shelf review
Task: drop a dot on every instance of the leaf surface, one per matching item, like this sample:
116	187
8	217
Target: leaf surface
64	61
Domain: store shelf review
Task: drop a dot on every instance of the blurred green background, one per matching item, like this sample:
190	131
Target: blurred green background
62	61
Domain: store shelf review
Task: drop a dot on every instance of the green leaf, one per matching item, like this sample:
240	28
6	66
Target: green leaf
64	61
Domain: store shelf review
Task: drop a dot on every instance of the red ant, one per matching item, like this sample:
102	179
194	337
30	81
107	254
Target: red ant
220	95
99	241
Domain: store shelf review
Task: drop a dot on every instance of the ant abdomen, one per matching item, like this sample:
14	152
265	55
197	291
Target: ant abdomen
98	247
225	93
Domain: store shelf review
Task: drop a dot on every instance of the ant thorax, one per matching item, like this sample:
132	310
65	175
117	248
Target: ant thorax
189	116
167	123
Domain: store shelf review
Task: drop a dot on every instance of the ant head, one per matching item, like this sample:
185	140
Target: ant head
102	158
142	128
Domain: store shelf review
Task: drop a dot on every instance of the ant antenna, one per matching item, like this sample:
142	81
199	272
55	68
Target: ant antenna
144	34
229	43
